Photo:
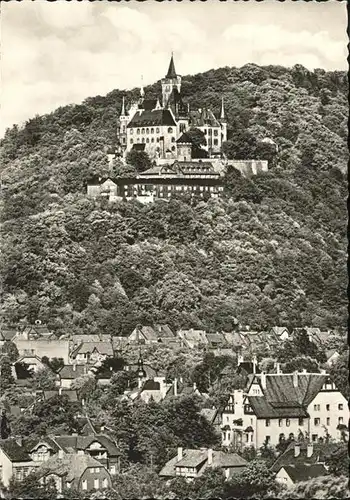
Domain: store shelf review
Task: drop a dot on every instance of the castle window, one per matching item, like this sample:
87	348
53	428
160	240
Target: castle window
147	140
340	406
131	131
170	130
215	132
173	139
152	130
131	141
152	140
147	130
143	139
173	148
143	131
215	142
210	131
138	130
157	130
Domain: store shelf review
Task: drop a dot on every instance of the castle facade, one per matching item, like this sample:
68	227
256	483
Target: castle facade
158	126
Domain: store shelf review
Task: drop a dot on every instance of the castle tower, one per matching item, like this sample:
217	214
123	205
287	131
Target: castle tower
123	121
223	122
170	82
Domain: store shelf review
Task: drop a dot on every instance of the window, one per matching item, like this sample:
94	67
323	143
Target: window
267	439
210	131
229	436
170	130
267	422
316	421
157	130
340	406
314	437
143	139
215	132
143	131
340	420
173	148
328	421
147	130
301	421
287	422
215	142
173	139
92	470
158	140
247	437
96	484
152	139
152	130
131	131
84	484
291	436
227	418
105	483
280	422
327	407
147	140
138	130
316	407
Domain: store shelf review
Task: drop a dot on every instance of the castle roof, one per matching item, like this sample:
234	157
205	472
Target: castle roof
184	139
152	118
202	117
171	70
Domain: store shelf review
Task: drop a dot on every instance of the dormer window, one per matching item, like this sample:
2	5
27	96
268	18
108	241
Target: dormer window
170	130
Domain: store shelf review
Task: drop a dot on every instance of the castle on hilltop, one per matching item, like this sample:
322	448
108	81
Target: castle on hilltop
158	126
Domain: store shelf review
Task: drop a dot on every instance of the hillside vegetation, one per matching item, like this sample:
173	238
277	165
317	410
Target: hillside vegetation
271	252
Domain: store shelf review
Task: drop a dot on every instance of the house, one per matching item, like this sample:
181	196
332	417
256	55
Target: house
246	368
164	333
235	340
332	356
191	463
14	461
193	339
281	333
72	396
90	352
31	332
68	373
7	334
279	406
143	335
75	470
178	388
32	362
216	341
299	462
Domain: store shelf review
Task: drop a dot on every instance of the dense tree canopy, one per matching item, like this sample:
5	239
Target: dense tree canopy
271	252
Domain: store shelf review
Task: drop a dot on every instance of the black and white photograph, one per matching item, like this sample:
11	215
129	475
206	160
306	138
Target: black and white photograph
173	250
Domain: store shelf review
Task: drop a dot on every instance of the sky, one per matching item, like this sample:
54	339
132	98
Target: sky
58	53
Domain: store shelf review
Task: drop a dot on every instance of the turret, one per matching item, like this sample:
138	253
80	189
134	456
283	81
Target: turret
223	122
123	122
170	82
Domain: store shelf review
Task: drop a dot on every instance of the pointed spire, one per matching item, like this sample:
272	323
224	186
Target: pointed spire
123	107
142	92
171	71
222	114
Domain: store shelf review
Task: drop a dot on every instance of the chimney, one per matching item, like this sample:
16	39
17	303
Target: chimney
278	368
295	379
255	362
60	453
263	380
297	449
309	450
179	454
304	370
175	386
210	456
74	367
60	391
323	372
80	452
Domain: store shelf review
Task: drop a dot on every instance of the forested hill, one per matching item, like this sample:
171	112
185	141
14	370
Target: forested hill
272	252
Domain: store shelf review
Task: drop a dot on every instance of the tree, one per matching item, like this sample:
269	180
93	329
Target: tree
30	487
44	380
5	429
338	460
256	480
6	378
198	140
139	160
10	350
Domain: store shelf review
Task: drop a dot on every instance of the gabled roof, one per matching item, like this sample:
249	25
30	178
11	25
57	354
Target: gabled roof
74	443
104	348
70	394
263	409
14	451
278	330
184	139
156	117
199	460
280	388
30	444
7	334
163	331
79	338
72	372
203	117
151	385
303	472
